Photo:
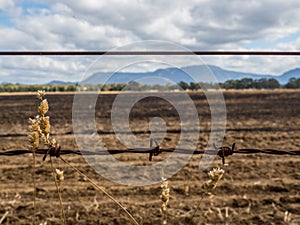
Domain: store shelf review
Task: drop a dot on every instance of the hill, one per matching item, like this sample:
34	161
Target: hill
175	75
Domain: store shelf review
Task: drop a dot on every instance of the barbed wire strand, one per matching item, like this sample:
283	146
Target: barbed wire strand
147	151
220	151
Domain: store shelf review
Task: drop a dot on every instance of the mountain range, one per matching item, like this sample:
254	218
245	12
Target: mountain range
176	75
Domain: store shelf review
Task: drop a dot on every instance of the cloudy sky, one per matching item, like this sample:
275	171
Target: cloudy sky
107	25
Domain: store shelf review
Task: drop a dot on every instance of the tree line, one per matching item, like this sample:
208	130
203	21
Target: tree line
245	83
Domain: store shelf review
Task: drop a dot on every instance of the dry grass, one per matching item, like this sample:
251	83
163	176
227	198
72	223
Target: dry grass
39	128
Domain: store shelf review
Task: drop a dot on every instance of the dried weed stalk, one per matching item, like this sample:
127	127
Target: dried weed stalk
39	128
39	132
165	196
101	189
215	176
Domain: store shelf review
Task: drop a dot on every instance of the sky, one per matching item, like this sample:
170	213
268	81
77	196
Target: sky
258	25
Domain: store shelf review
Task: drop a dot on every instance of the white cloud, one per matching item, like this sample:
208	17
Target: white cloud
204	25
195	24
4	4
42	69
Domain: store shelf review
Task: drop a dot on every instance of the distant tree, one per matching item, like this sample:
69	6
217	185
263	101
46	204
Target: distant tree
230	84
245	83
293	83
262	83
273	83
71	88
183	85
133	85
194	86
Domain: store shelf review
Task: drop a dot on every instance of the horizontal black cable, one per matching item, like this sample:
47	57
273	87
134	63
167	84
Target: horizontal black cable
82	53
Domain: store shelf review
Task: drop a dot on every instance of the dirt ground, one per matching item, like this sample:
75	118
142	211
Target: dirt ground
255	188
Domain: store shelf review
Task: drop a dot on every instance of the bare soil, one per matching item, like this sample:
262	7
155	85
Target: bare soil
255	189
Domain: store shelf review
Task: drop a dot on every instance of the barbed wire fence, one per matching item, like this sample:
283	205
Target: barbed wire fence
222	151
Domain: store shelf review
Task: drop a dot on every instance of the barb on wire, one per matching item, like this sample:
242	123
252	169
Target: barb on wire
224	151
52	151
154	151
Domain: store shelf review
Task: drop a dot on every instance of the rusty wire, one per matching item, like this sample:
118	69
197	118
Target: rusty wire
221	151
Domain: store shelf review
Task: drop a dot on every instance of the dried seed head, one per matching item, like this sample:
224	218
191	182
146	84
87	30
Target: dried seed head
165	195
45	125
164	183
215	176
39	127
34	134
31	121
164	207
40	94
33	125
33	139
59	174
43	108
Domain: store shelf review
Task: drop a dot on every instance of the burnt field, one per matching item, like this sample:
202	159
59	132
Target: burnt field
255	188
